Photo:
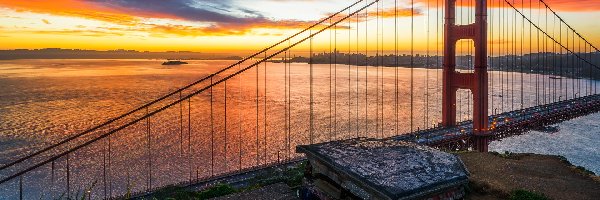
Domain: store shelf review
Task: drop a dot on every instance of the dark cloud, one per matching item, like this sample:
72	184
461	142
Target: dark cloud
221	11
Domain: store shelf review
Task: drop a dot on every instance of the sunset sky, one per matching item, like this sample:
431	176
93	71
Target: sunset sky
213	25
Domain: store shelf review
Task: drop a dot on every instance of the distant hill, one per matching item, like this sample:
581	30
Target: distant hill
57	53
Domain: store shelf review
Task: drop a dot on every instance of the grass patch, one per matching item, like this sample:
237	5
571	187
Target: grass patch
508	155
173	192
526	195
292	176
216	191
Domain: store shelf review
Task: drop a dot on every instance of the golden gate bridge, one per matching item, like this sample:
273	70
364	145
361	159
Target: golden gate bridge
516	59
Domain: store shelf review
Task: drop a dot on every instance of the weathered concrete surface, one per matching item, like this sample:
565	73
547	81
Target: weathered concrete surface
393	169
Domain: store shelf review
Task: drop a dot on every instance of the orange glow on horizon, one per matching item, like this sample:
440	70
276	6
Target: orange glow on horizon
78	24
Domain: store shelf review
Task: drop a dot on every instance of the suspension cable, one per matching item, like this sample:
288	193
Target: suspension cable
412	51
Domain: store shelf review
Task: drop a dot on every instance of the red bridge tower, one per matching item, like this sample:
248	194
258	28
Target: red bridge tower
476	82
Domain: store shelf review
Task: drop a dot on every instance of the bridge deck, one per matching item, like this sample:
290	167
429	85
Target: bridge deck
507	124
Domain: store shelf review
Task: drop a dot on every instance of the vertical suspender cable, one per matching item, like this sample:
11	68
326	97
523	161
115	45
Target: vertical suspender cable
560	56
588	55
537	67
335	81
289	85
68	177
180	125
377	68
225	125
241	131
491	58
553	59
265	112
522	55
104	170
310	60
149	152
545	69
514	58
366	72
396	65
573	66
190	137
382	70
288	103
437	49
287	64
109	167
412	51
212	133
349	71
330	96
578	68
357	72
426	116
501	56
257	127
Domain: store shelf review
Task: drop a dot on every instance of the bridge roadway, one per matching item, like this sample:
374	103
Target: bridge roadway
506	124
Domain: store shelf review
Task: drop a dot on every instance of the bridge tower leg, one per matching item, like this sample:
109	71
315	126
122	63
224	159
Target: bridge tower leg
476	82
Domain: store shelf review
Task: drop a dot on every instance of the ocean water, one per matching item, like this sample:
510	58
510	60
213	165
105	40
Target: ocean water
578	140
240	123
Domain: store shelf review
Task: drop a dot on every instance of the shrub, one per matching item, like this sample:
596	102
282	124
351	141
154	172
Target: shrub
526	195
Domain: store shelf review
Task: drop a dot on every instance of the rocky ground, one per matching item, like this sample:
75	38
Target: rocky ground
495	176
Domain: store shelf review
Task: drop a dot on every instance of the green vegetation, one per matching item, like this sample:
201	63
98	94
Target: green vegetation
292	176
506	155
174	192
216	191
526	195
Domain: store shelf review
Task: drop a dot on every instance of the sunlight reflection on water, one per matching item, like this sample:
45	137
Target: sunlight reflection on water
44	101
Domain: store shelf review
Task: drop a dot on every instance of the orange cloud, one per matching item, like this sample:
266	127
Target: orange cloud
401	12
557	5
92	33
225	29
74	8
132	17
385	13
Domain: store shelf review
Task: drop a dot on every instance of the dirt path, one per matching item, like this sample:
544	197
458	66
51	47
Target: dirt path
495	176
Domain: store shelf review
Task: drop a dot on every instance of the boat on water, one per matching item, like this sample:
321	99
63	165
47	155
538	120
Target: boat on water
555	77
174	62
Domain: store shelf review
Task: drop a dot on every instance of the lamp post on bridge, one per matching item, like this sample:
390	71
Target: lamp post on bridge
477	81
